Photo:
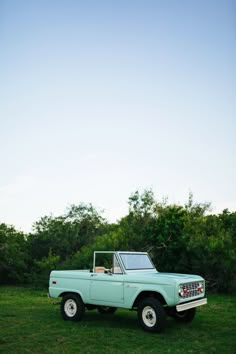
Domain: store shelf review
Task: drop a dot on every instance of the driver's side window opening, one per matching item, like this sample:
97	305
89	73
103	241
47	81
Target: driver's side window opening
107	263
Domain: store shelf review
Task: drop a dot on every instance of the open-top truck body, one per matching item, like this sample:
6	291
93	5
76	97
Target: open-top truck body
128	280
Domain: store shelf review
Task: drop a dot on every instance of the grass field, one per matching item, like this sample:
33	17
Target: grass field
31	323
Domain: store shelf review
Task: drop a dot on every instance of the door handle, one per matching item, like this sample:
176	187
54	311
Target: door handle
93	275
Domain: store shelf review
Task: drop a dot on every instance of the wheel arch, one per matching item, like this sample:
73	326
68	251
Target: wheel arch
71	292
149	294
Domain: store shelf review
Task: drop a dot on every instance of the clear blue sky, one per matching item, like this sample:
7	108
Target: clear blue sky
100	98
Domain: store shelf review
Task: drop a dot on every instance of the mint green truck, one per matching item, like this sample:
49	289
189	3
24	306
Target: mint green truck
128	280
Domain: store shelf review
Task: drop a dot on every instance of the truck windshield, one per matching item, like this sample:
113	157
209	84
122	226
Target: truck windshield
134	261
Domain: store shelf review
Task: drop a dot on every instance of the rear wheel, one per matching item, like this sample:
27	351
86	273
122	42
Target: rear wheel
72	307
106	309
151	315
185	316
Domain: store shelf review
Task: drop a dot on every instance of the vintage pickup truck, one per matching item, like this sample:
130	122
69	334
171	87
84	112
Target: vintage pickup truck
128	280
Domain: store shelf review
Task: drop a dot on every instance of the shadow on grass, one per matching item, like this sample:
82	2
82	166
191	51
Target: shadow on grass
121	319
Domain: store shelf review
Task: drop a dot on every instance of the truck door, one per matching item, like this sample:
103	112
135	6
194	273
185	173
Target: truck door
107	288
107	284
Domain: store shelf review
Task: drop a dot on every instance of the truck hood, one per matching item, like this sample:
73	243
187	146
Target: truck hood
164	278
181	277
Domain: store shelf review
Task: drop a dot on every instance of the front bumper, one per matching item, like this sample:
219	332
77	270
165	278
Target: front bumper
190	305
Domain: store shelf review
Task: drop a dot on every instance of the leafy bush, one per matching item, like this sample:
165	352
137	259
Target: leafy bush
186	239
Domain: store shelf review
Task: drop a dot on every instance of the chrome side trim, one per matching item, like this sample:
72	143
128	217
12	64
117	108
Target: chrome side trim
190	305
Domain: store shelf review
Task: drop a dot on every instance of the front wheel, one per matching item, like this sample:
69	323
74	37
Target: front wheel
151	315
72	307
185	316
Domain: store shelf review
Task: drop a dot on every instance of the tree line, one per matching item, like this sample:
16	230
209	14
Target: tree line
180	238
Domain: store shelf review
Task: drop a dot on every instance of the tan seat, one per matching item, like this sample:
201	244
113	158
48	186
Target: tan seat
99	269
116	270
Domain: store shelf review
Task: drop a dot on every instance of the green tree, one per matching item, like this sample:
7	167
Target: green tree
67	234
13	256
138	227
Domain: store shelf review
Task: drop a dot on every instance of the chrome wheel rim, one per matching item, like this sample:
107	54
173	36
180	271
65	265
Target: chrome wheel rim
149	316
70	308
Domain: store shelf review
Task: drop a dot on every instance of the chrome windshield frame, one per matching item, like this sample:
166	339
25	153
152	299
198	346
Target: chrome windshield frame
153	268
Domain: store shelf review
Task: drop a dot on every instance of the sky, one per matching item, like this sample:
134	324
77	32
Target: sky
100	98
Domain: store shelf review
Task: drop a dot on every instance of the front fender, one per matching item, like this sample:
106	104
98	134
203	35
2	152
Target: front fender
132	291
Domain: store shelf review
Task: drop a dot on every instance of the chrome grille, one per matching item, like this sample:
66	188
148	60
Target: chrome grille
190	290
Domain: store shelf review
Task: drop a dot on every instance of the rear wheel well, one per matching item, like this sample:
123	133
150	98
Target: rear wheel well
149	294
70	292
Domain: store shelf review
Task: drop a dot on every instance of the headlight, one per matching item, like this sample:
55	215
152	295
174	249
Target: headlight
181	291
200	287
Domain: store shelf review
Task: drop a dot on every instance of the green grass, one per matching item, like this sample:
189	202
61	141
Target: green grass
31	323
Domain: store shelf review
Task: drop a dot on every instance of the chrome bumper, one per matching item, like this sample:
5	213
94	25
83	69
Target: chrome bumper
190	305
